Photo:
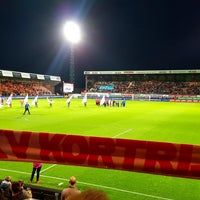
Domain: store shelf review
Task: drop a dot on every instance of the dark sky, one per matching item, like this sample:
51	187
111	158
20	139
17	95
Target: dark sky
117	35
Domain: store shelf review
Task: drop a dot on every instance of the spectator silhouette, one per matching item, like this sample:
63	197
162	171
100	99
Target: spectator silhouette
71	190
6	188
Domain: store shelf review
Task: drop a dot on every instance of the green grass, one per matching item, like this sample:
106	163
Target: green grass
155	121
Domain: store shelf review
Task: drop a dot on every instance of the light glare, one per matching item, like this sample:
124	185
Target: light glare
72	32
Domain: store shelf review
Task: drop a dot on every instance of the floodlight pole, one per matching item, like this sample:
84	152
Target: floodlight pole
72	65
86	82
72	34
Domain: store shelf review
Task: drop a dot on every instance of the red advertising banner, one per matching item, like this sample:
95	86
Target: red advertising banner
121	154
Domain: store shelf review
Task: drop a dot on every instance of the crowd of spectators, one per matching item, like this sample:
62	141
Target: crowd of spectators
22	88
17	190
148	87
14	190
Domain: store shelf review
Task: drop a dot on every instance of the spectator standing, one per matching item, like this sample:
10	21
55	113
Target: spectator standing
71	190
36	168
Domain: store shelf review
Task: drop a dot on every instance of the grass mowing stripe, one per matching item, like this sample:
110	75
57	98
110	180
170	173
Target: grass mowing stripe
91	184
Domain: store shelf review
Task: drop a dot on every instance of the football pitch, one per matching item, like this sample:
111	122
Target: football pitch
139	120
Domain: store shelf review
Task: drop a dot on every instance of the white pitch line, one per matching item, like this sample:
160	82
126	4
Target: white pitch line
122	133
48	168
7	170
101	186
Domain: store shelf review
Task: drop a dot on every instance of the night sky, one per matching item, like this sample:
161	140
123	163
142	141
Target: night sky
117	35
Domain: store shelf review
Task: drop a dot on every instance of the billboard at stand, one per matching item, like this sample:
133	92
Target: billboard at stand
68	87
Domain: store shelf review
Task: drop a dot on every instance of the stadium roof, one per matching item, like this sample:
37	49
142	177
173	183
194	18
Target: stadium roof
142	72
31	76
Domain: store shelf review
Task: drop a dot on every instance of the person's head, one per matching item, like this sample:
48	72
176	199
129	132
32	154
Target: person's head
16	187
8	178
90	194
21	182
93	194
72	180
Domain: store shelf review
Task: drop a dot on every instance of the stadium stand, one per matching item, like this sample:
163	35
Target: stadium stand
176	82
21	83
148	87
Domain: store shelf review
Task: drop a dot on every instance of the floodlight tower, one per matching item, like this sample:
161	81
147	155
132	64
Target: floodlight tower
72	34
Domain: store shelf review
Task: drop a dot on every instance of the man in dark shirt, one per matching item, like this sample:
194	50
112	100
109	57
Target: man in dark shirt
26	107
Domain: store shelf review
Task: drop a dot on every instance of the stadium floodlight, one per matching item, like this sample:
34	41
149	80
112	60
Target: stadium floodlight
72	34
